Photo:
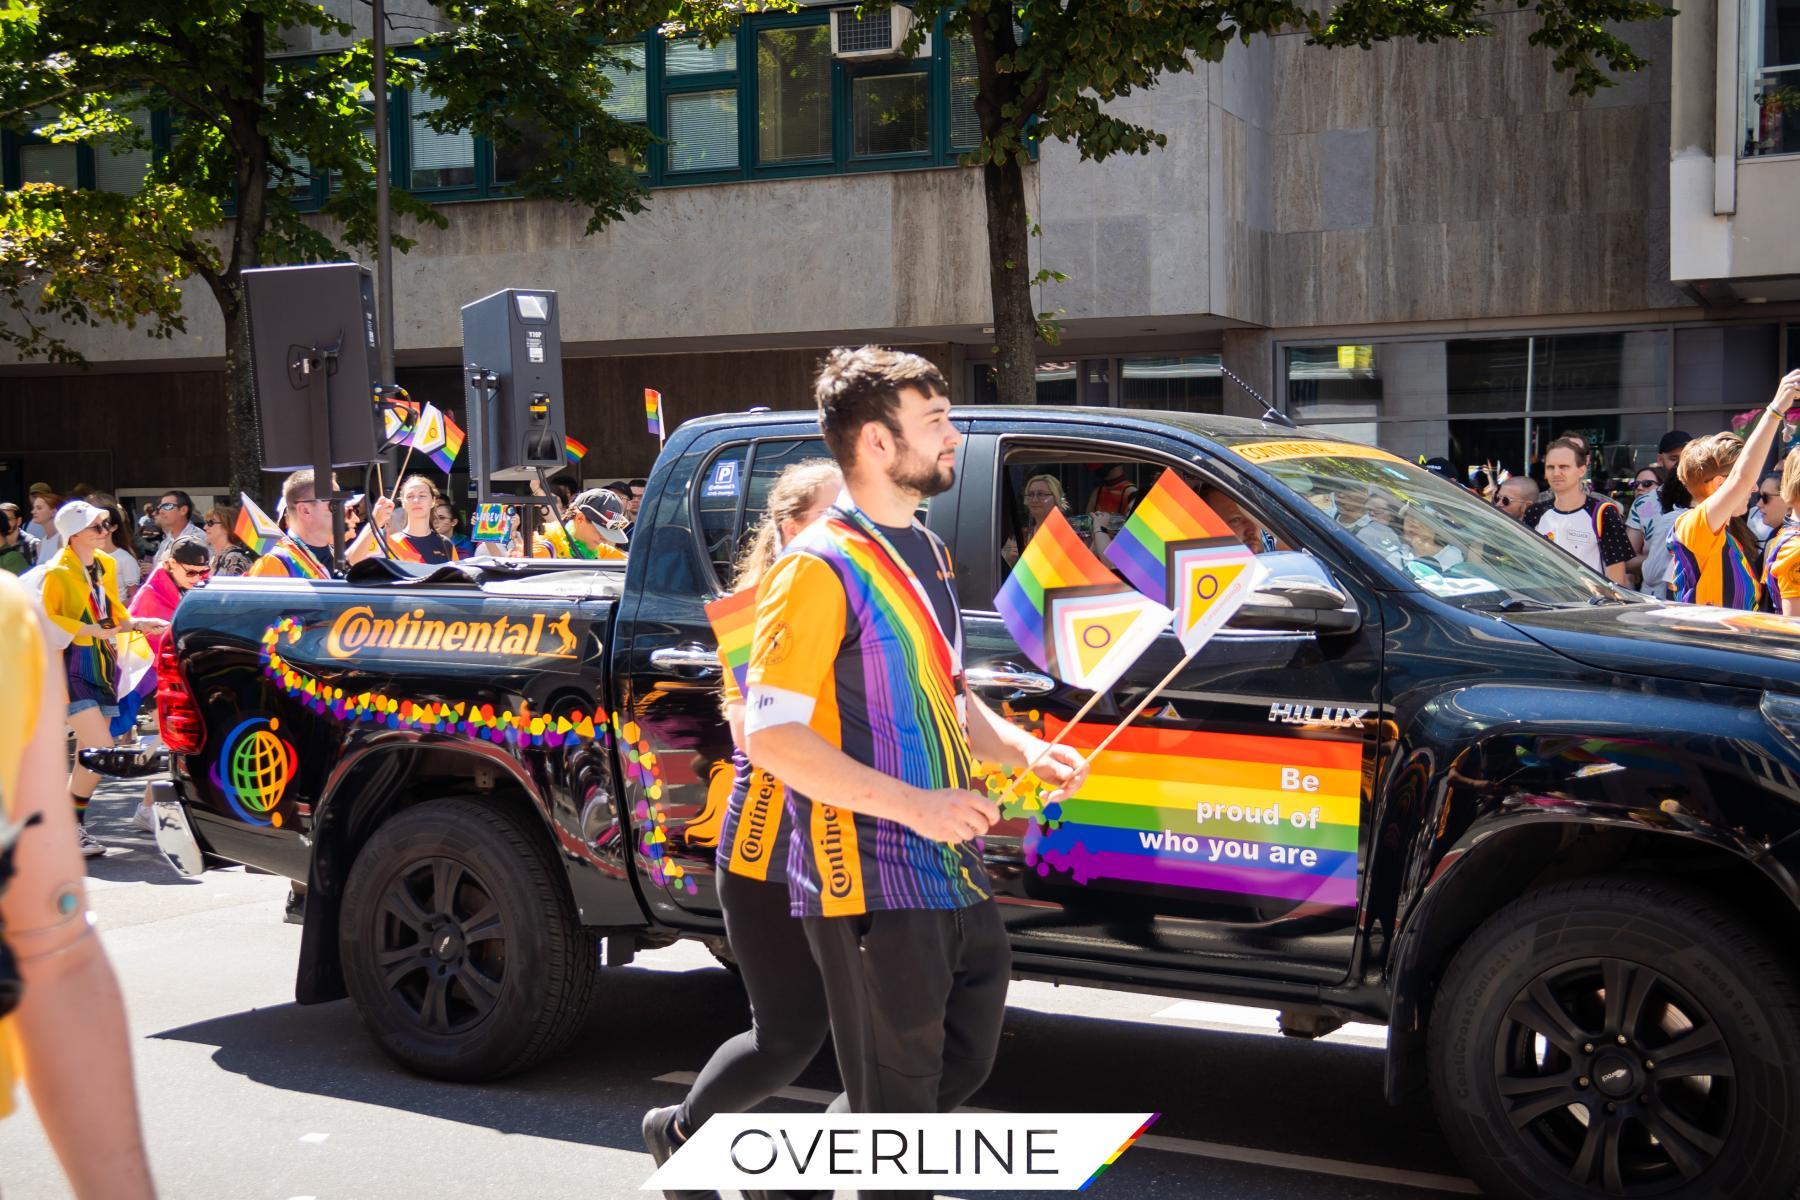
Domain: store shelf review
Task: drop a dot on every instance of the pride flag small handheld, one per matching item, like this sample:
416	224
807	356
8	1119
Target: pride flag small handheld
1179	552
653	412
733	620
573	450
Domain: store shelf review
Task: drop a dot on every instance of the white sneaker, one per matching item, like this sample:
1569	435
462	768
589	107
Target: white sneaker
144	819
90	847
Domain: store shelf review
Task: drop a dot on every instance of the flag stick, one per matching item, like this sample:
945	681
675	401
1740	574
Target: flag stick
1150	695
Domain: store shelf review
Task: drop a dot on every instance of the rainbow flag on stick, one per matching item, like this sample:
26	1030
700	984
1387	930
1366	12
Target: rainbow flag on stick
256	530
653	412
1070	615
733	620
573	450
1180	553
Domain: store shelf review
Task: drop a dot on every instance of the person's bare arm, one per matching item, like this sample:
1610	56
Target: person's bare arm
71	1020
1616	572
1734	493
809	764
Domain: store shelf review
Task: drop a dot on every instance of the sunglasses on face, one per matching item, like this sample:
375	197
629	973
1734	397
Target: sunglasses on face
167	506
193	574
1642	484
1506	502
1765	497
211	521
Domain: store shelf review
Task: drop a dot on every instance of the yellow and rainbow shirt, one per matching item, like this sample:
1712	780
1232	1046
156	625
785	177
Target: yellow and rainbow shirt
847	643
1710	567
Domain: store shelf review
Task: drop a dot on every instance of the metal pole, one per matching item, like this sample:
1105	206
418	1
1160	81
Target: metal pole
384	254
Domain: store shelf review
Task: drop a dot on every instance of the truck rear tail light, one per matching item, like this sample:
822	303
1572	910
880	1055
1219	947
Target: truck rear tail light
177	715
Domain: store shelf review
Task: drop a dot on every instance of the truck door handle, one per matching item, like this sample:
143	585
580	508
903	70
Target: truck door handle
1013	680
690	657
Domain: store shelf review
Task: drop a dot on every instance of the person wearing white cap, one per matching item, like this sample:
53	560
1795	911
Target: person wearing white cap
83	608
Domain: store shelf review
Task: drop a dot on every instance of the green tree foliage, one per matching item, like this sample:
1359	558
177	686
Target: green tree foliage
1079	54
249	120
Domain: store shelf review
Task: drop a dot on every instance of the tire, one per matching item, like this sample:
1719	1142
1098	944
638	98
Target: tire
461	949
1649	1009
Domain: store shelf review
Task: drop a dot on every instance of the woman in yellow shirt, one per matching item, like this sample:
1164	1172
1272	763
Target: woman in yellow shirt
82	604
67	1036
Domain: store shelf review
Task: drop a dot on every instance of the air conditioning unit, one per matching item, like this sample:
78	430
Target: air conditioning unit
873	35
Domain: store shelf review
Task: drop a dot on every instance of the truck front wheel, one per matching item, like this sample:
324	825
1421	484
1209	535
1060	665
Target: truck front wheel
462	952
1620	1037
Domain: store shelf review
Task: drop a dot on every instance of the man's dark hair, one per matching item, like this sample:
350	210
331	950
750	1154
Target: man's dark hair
6	522
1672	441
637	483
855	387
181	498
1576	445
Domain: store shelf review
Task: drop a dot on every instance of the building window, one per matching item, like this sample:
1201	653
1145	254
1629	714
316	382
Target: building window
1770	58
1189	384
114	162
965	82
703	131
793	94
686	56
890	114
122	160
50	162
436	161
627	99
1499	401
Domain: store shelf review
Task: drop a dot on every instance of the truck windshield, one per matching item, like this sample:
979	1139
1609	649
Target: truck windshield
1440	537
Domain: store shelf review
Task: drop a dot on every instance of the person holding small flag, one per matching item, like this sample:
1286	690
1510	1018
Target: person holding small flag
591	528
417	542
858	703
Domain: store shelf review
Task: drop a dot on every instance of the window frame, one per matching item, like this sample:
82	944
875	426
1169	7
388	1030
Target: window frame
11	143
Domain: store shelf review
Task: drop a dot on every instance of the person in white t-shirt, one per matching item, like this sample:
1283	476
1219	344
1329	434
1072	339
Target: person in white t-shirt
1590	527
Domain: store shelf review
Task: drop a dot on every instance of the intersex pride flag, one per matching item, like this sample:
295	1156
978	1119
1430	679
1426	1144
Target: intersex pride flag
1070	615
1179	552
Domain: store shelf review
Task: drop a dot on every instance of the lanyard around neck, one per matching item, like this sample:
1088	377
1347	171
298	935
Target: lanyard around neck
847	508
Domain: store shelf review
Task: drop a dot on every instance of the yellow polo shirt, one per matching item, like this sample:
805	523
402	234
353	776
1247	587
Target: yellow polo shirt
22	665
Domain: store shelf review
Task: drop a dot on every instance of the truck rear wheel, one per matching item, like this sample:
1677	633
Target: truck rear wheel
1620	1037
461	950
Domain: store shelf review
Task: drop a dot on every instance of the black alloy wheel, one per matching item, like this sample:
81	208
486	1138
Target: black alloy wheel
1620	1036
460	942
1617	1073
442	945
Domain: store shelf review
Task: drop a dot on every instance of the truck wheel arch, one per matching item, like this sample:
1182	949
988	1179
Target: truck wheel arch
1483	874
372	784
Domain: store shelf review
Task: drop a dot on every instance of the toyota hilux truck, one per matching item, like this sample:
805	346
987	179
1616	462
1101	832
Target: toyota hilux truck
1435	774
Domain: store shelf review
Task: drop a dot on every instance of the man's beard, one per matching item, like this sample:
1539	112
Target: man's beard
921	475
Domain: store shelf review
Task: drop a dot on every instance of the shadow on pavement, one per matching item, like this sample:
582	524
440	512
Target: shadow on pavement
1319	1099
131	853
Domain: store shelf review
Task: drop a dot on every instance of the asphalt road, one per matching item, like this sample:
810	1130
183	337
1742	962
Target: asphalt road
246	1094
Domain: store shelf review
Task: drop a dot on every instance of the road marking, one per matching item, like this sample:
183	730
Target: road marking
313	1139
1367	1172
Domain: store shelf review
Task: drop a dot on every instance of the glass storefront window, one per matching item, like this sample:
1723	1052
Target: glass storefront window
1191	384
1769	59
793	94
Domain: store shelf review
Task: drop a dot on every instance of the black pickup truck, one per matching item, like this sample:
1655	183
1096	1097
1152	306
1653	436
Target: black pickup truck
1435	774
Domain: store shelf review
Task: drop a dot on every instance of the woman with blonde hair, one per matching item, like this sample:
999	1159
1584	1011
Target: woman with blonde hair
1042	494
229	555
787	998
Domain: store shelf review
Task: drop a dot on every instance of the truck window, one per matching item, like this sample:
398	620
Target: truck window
732	499
1098	492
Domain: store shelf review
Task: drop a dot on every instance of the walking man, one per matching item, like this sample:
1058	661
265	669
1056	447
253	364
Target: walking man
857	702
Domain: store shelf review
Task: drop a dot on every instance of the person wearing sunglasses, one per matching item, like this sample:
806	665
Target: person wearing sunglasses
1646	506
1768	511
80	595
229	555
1515	495
174	514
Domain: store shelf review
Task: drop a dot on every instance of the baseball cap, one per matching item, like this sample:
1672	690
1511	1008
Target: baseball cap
1443	469
1672	441
603	507
76	516
39	488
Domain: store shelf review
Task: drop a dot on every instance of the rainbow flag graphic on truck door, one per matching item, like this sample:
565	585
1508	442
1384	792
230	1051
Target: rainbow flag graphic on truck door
1275	816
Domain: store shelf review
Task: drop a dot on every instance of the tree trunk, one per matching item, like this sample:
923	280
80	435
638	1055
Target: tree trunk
240	402
1009	282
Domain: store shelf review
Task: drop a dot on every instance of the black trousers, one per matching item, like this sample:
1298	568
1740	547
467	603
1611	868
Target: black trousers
917	998
787	1004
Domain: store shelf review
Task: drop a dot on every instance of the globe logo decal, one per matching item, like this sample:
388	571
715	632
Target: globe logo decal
254	770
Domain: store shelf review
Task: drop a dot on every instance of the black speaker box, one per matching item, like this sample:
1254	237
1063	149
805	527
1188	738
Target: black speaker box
517	335
291	309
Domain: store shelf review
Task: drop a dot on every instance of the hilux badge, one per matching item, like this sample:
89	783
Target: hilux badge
1314	714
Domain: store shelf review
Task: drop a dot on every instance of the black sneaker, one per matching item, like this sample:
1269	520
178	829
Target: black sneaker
660	1139
294	911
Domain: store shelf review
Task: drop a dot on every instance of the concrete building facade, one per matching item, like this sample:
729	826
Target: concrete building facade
1431	247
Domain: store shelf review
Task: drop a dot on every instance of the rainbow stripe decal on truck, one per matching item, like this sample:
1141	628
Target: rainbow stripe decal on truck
1244	814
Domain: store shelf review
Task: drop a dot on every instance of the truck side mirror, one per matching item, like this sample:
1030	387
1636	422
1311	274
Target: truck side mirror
1299	594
